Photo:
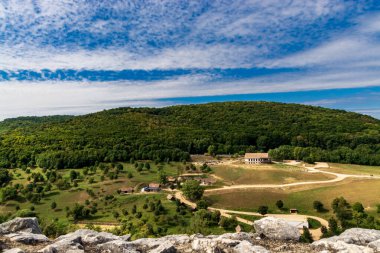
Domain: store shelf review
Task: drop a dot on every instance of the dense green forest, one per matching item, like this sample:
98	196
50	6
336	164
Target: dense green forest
173	133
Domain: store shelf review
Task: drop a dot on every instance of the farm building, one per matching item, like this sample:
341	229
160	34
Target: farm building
257	158
205	181
171	179
152	187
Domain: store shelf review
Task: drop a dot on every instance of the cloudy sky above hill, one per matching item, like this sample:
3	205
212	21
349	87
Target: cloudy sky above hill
75	56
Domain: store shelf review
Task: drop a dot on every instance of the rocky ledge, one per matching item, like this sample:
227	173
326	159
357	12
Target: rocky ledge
272	235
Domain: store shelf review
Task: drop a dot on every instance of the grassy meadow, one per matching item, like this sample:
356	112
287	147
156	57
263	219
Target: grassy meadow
364	191
265	174
353	169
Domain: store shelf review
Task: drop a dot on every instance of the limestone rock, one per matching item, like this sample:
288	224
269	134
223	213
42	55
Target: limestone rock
359	236
375	245
14	250
340	246
69	243
277	229
245	246
29	225
242	236
164	248
117	246
27	238
94	238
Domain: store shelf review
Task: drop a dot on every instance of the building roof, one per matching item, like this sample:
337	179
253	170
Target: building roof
256	155
154	185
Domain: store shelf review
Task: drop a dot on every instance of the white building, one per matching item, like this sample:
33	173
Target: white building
257	158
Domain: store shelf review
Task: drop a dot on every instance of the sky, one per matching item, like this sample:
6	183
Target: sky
82	56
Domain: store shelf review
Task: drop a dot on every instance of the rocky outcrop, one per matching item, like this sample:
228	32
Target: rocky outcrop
273	235
351	240
23	230
375	245
276	229
28	225
27	238
14	250
76	242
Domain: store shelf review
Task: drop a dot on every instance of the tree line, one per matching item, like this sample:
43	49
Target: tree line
173	133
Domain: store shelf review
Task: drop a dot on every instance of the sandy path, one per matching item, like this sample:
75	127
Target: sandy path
316	233
338	177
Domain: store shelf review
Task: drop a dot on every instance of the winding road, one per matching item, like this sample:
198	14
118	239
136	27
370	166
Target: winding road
338	177
288	217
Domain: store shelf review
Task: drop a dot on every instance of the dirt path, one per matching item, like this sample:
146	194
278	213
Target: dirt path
316	233
338	177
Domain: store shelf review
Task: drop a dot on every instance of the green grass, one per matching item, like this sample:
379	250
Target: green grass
78	194
265	174
249	217
353	169
107	208
313	223
364	191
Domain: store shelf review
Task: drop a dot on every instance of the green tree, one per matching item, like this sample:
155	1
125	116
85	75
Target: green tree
202	204
73	175
119	167
333	226
5	177
192	190
358	207
198	223
318	205
211	150
263	210
280	204
306	236
162	178
53	205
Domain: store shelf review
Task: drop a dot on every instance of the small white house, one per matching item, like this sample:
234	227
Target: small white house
257	158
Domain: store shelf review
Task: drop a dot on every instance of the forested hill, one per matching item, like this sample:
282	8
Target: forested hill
172	133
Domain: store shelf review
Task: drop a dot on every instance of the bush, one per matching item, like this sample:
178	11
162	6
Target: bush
306	236
263	210
228	223
192	190
26	213
313	223
55	228
318	205
202	204
280	204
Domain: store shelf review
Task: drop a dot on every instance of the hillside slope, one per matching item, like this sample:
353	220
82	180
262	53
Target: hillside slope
172	133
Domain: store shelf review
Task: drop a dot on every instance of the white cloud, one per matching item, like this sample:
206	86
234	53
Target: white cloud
156	34
213	56
46	98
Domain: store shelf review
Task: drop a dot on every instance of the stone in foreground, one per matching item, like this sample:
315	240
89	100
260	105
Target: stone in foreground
351	240
29	225
276	229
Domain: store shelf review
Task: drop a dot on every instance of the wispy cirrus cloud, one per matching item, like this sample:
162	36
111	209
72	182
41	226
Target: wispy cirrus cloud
80	56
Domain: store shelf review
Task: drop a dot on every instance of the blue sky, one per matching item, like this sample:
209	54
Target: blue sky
77	56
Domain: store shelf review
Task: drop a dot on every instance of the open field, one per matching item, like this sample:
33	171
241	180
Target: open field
97	186
353	169
265	174
365	191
